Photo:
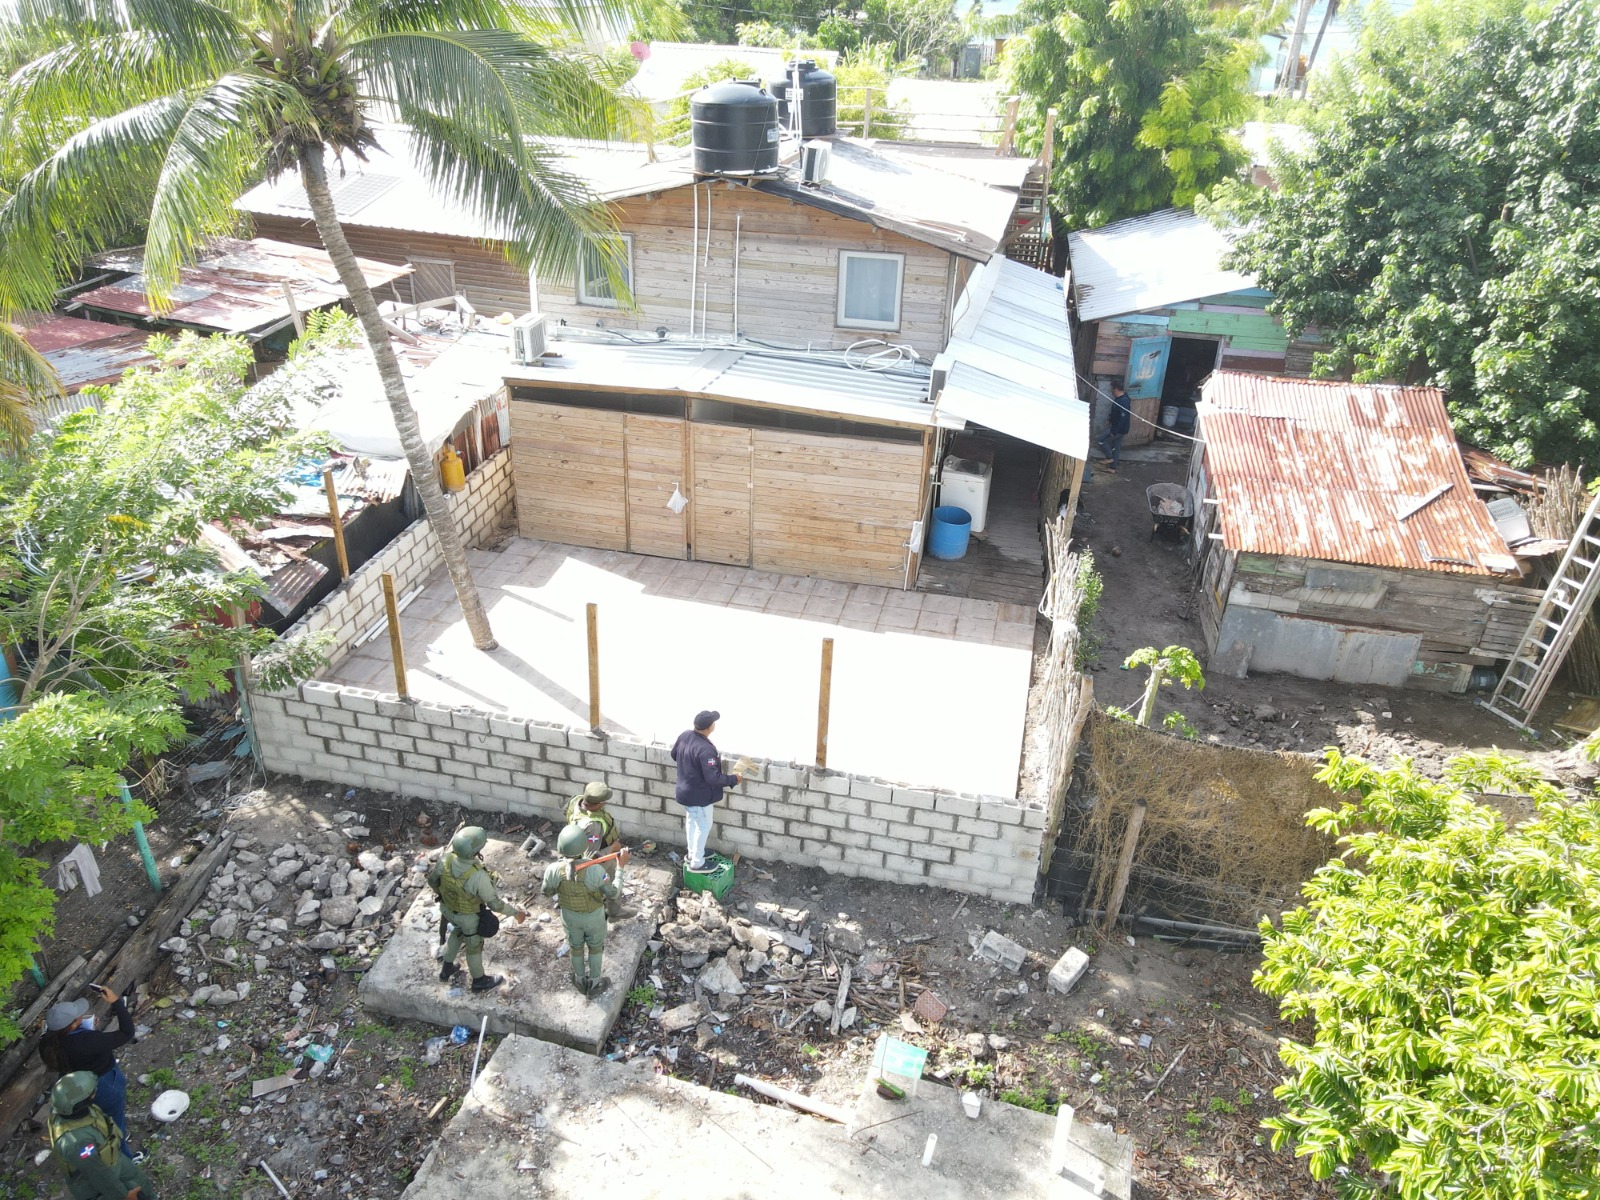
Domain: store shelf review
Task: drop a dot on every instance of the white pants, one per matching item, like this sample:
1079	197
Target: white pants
696	832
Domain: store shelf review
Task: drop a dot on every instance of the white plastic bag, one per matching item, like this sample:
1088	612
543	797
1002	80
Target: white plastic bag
677	502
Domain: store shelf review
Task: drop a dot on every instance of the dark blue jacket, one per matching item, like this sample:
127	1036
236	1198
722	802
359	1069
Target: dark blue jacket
700	777
1119	421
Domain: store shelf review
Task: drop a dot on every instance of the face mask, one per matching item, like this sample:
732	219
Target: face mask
88	1023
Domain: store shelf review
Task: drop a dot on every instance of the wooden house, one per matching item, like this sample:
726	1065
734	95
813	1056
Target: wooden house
1340	537
795	356
1157	309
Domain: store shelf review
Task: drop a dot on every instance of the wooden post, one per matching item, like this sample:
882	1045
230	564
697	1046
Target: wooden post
294	311
594	667
1130	841
866	113
824	701
1048	149
397	650
1008	130
338	523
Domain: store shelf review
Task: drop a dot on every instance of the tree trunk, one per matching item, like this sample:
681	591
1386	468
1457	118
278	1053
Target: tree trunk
314	174
1152	689
1289	82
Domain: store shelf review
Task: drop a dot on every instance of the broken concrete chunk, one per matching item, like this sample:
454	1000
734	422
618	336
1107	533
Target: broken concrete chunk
998	948
1068	970
685	1016
720	978
226	925
339	911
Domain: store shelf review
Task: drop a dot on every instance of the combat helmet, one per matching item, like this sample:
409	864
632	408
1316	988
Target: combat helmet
573	841
72	1092
469	841
595	792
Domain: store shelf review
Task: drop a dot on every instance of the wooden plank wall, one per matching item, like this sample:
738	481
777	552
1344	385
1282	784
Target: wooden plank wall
788	271
720	510
483	275
655	466
834	507
568	467
1463	620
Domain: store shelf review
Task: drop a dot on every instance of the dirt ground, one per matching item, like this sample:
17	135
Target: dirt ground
1145	602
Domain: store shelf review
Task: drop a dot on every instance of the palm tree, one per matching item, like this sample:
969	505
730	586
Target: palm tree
170	109
24	377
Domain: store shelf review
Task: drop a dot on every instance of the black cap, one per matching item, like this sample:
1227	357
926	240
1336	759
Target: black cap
706	718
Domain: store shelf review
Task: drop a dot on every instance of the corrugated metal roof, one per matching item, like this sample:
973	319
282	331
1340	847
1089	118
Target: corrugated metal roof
835	385
1354	473
1009	362
906	193
1150	262
236	287
84	353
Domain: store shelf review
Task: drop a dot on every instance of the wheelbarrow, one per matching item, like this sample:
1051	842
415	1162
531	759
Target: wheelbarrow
1170	508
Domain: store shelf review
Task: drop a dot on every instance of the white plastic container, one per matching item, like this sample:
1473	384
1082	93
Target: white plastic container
971	1104
965	484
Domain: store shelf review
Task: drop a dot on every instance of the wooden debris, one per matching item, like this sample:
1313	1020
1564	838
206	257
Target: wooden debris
265	1087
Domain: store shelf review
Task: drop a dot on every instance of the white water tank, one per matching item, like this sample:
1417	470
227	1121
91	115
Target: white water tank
965	484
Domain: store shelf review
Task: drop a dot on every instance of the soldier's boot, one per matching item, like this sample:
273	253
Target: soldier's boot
598	987
579	982
597	982
448	972
484	983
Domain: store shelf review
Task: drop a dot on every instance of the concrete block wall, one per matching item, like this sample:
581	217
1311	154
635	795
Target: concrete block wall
846	824
496	763
487	502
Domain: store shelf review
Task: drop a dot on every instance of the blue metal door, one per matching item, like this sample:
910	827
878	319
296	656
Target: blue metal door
1147	367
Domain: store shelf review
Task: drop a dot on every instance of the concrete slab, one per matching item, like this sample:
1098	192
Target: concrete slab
907	668
537	997
543	1120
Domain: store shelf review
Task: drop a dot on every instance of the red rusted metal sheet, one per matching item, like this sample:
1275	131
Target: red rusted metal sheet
237	287
84	353
1355	473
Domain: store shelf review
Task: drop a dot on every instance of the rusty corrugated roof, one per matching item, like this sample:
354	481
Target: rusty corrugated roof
237	287
84	353
1355	473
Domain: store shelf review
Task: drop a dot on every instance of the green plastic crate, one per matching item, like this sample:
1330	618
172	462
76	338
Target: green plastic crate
718	881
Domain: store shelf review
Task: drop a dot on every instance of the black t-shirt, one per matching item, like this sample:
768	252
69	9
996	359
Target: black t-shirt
94	1050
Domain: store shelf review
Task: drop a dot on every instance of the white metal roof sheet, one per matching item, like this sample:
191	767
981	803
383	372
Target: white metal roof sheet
1150	262
1009	363
823	384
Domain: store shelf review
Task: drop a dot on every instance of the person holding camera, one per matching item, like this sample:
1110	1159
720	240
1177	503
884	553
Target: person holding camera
72	1043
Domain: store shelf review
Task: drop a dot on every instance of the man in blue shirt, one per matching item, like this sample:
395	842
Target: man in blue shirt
1116	426
700	783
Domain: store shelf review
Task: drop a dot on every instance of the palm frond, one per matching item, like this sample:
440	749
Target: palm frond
213	155
98	76
546	19
193	30
469	75
543	213
25	379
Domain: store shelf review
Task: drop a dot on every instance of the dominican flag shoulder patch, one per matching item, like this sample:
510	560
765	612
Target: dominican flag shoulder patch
89	1151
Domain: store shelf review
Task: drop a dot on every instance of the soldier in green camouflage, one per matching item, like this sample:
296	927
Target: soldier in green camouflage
88	1145
590	805
582	892
465	889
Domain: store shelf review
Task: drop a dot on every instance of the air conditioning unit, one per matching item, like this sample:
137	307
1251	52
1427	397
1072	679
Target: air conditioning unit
814	158
528	339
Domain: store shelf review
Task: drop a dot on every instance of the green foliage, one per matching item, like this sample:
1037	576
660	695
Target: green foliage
675	126
1448	965
1442	226
1147	93
644	995
115	602
867	71
1090	588
978	1075
1175	664
920	33
716	22
1038	1099
1176	722
776	37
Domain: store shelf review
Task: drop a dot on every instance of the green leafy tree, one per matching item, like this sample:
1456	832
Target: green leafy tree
1442	225
775	37
864	73
1147	94
1175	664
1449	964
718	23
919	32
113	599
675	125
171	108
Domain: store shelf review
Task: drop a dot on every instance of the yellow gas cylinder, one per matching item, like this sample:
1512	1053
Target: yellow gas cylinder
451	473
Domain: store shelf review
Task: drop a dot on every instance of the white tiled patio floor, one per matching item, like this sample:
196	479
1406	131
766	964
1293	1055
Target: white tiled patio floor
928	690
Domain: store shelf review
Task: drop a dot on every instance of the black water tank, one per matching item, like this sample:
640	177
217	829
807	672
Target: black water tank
734	129
819	104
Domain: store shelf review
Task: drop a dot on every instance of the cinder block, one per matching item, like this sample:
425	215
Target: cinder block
358	700
935	854
863	858
865	789
557	754
780	845
362	720
378	755
833	820
998	948
952	841
470	720
1068	970
905	867
934	820
763	823
317	691
997	882
394	707
949	873
869	825
419	762
392	740
915	834
762	791
978	828
892	845
445	733
456	769
914	798
290	708
433	712
784	775
492	775
466	754
846	837
828	784
631	750
956	806
809	831
547	734
585	742
786	811
823	852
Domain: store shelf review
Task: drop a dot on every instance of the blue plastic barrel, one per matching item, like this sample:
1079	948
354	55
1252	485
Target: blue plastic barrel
952	529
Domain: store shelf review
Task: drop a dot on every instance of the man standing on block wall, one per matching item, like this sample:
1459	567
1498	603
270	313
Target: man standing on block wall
700	784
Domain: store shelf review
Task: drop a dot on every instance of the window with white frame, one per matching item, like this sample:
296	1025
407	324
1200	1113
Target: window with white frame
594	284
869	289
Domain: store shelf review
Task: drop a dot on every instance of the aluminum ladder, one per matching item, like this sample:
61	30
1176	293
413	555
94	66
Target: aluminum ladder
1555	625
